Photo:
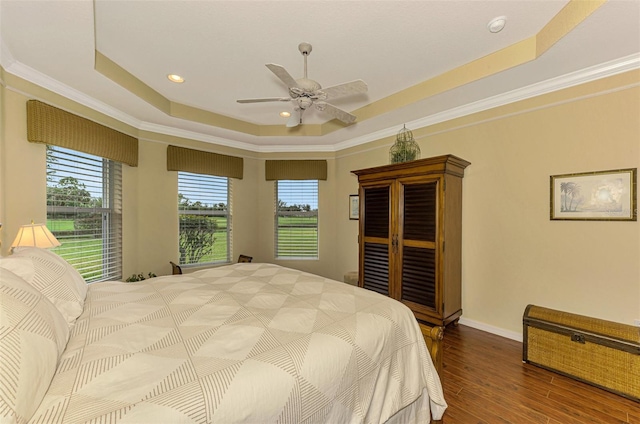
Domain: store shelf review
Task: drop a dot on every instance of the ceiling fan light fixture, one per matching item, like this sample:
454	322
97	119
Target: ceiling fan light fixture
175	78
285	114
296	118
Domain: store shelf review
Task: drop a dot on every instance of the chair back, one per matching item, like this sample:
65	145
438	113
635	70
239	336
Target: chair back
245	258
175	268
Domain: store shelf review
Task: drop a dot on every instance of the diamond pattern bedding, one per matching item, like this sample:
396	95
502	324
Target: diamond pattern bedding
248	342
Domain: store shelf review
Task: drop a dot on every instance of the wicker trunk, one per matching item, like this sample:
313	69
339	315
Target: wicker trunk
602	353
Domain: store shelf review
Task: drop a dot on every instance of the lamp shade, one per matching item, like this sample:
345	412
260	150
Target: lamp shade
35	235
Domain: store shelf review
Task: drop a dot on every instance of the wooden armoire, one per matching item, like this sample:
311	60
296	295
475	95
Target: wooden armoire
410	235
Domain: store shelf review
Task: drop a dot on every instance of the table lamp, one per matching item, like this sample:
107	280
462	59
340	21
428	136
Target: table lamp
35	235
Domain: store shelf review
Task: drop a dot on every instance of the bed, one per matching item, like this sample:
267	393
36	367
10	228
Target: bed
247	342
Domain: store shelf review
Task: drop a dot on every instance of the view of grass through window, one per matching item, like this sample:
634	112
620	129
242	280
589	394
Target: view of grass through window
83	212
204	218
297	219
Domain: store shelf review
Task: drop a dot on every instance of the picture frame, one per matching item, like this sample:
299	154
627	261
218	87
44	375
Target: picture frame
354	206
595	196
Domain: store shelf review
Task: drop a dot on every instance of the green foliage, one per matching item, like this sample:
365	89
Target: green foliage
282	206
402	152
197	232
405	148
196	237
69	192
139	277
185	204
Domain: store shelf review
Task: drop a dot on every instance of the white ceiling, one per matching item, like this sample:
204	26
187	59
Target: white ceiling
221	48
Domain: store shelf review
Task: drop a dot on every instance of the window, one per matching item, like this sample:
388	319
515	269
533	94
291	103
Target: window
296	219
84	211
205	218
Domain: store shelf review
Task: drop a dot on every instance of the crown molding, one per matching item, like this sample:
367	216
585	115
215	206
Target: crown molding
193	135
12	66
38	78
6	58
582	76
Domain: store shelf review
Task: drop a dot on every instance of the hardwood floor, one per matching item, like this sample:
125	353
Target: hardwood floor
485	381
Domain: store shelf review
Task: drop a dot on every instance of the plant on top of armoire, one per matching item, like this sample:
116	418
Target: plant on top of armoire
405	148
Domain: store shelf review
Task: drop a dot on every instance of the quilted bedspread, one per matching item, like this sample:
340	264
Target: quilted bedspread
251	343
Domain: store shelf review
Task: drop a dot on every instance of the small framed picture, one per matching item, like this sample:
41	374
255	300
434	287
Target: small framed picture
595	196
354	206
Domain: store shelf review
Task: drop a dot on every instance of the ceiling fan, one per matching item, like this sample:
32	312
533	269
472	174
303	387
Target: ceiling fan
305	92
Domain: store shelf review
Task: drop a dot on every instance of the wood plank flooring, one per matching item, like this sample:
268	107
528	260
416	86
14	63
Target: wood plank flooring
485	381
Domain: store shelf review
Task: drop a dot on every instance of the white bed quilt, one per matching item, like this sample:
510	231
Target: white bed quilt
253	343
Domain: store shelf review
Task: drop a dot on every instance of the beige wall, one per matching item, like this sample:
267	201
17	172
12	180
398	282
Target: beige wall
3	127
24	173
150	192
513	254
327	219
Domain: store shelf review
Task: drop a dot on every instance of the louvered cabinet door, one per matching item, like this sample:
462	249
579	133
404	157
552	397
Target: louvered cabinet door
418	245
410	237
375	223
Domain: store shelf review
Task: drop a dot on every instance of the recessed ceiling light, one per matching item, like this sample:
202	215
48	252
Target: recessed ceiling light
285	114
175	78
497	24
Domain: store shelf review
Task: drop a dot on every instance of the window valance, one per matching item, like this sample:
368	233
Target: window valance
199	162
49	125
296	170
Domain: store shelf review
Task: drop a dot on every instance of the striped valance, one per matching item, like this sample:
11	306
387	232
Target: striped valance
296	170
49	125
199	162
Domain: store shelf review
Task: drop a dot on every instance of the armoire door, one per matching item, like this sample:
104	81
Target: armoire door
376	233
408	211
418	245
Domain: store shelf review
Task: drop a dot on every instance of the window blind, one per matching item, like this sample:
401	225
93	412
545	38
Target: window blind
204	210
296	226
84	211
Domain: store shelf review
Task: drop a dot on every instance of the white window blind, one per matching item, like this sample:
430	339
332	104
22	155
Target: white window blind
296	223
84	211
204	209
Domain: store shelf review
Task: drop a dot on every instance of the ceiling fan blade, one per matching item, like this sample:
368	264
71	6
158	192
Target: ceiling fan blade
337	113
348	88
282	73
266	99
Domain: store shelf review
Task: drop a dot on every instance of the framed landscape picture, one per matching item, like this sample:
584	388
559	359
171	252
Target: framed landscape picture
595	196
354	206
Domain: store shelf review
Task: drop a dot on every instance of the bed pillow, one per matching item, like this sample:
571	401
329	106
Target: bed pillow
52	276
33	335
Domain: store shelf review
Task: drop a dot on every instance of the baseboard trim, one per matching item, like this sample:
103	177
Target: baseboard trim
491	329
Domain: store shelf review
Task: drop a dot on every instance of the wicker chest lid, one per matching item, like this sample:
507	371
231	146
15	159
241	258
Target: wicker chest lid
598	326
603	353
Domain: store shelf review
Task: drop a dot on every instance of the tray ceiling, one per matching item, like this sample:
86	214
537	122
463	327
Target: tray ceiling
423	61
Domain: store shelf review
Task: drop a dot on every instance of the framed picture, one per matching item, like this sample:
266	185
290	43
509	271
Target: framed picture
354	206
595	196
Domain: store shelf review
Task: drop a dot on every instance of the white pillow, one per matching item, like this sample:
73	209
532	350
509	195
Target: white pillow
33	334
52	276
